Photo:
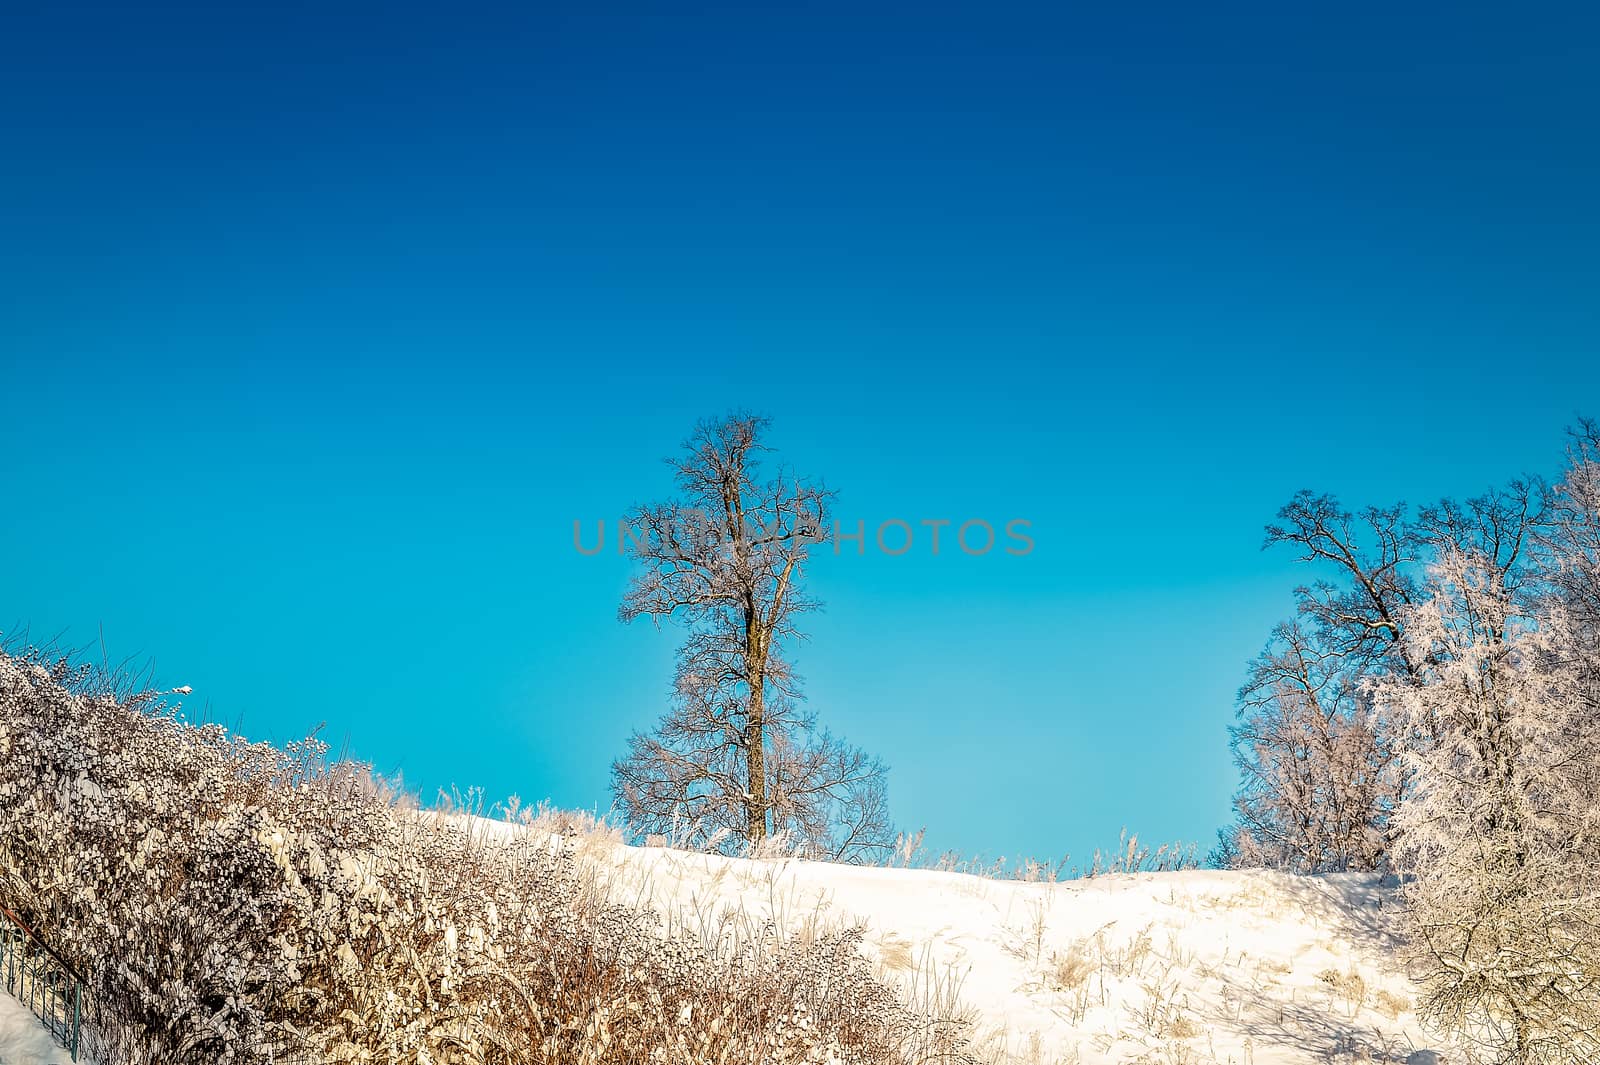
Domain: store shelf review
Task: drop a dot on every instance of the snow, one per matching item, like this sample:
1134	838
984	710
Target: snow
1243	967
23	1040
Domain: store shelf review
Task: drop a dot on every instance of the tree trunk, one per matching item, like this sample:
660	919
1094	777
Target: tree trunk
755	763
755	730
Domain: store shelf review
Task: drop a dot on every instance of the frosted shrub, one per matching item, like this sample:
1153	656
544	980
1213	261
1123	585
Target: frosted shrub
238	902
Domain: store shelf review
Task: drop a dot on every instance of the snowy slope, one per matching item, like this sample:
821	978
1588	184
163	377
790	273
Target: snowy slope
23	1040
1247	968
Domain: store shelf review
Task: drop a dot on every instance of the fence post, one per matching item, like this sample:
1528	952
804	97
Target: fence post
77	1015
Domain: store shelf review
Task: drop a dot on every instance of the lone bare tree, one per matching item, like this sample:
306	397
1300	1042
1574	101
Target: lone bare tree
735	758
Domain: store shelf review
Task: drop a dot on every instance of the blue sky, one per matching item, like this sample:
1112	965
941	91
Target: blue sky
318	331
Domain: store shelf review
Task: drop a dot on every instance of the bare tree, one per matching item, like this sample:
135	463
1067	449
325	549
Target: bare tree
1317	762
735	757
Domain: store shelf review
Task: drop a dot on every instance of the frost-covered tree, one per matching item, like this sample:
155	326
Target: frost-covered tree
735	759
1319	782
1317	763
1499	829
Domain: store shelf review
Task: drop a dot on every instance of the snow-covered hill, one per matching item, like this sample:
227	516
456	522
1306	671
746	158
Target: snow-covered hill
1247	968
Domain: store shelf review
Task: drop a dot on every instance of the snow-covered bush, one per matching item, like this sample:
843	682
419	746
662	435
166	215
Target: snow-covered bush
238	902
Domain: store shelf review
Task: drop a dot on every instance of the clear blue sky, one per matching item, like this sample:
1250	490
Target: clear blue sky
318	330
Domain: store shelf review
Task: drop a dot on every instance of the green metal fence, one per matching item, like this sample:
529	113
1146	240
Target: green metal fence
48	986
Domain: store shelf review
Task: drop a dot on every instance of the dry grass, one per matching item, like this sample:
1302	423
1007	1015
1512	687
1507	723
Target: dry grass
1391	1005
1348	988
1129	856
